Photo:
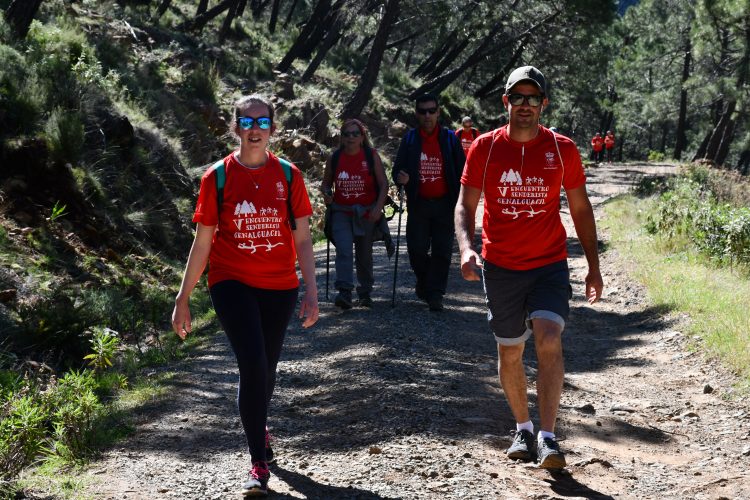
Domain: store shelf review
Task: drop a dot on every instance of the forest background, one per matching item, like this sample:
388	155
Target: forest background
111	110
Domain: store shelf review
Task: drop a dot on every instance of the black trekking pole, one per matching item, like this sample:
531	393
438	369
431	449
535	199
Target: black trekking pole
398	240
328	264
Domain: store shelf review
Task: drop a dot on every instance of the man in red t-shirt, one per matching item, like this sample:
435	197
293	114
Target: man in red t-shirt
428	164
597	146
467	133
609	145
520	168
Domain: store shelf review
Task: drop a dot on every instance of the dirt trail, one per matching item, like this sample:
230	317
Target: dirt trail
405	403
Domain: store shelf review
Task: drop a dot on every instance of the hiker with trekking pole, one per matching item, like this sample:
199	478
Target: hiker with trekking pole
253	225
354	189
428	165
520	168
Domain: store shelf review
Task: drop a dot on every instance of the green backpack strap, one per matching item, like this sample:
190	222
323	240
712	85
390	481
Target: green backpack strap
287	168
221	179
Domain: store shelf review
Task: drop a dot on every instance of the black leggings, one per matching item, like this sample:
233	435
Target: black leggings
255	321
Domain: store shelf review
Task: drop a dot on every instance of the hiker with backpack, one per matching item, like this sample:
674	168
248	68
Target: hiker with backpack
428	164
354	189
609	145
467	133
520	168
252	219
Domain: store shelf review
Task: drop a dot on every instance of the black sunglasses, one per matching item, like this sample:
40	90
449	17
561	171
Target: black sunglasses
246	122
353	133
427	111
531	100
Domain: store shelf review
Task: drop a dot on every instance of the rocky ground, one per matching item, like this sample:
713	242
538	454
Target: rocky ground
405	403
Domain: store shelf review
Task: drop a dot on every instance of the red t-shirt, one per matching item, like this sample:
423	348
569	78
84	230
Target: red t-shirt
466	137
597	143
521	226
432	183
254	243
609	141
354	184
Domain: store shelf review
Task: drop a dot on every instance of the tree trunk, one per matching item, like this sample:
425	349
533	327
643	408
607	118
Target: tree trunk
718	134
274	16
228	21
364	43
439	84
163	6
202	7
363	91
200	21
290	12
726	142
321	8
681	138
410	54
321	31
333	35
449	58
19	15
743	164
491	87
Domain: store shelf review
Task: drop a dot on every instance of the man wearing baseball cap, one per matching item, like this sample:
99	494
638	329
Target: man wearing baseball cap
520	168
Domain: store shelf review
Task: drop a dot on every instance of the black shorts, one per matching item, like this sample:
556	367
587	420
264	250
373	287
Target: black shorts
514	298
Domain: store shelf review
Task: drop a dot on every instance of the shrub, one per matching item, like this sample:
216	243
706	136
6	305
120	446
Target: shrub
656	156
65	135
22	433
76	413
104	344
204	81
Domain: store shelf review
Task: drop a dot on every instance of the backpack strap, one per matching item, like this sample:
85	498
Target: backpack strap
221	178
474	133
287	167
459	134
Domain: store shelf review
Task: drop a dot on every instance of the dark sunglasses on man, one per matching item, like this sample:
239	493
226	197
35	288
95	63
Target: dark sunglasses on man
531	100
427	111
246	122
351	133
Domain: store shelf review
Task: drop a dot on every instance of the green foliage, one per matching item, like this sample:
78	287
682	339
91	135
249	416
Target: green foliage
655	156
19	93
75	415
64	129
689	211
22	432
104	343
57	211
204	81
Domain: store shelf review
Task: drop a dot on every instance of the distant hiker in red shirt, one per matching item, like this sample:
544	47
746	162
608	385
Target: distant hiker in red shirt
354	187
252	219
609	145
521	168
597	145
467	133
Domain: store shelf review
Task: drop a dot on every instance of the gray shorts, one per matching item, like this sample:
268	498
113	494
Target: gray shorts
514	298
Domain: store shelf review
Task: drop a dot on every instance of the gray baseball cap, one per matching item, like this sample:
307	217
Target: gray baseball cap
526	74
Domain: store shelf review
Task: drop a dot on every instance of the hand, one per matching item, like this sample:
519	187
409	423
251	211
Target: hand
471	263
374	215
594	286
181	321
308	309
402	178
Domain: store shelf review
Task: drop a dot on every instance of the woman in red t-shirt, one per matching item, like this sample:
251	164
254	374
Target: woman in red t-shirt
251	249
354	187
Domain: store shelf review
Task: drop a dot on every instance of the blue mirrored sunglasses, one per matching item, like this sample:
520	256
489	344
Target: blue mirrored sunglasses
246	122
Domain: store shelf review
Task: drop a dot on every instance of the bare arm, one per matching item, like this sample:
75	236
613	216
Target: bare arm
306	258
382	181
585	224
196	263
466	209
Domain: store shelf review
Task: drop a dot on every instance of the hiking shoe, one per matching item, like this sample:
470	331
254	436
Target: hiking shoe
257	482
522	447
550	456
435	303
269	450
365	301
344	299
420	292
